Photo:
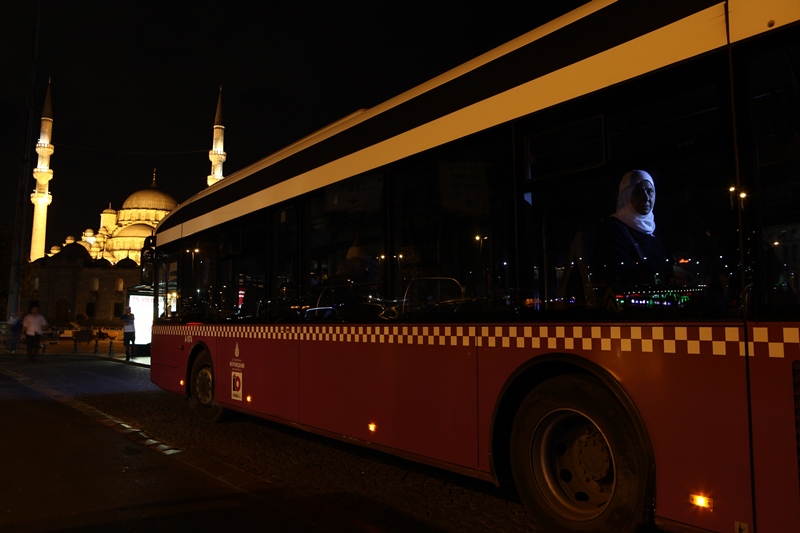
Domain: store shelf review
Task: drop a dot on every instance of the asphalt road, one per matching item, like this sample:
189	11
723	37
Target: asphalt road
91	444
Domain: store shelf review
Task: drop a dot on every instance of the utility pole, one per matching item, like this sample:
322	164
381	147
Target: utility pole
22	200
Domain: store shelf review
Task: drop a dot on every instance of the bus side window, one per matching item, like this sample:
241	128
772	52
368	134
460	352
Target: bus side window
249	307
432	298
582	276
281	304
280	308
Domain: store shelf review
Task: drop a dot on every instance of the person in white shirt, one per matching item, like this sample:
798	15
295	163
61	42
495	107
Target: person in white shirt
32	326
128	332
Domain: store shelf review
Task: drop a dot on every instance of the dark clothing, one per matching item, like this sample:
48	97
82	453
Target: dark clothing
128	334
128	338
630	257
33	341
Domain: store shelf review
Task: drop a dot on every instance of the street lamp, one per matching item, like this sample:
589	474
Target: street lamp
480	239
193	252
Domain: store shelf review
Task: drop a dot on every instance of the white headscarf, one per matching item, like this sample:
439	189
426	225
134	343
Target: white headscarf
625	211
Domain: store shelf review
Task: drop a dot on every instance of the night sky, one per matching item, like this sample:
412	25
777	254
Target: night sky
135	84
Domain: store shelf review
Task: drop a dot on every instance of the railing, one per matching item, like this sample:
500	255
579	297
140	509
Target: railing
50	336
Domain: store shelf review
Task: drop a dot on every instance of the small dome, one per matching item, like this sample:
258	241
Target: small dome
101	263
73	252
127	263
135	230
151	198
89	232
55	249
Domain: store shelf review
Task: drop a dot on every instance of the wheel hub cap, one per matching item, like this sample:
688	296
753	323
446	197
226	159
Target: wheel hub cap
591	456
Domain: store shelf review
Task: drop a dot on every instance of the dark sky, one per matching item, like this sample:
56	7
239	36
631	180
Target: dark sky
135	84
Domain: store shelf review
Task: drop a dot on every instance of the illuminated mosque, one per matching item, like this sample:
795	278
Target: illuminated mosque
122	233
90	274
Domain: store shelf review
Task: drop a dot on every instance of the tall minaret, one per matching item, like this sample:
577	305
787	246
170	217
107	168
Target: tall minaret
217	153
41	197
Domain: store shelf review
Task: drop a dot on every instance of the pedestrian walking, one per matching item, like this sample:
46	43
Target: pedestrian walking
128	332
14	329
32	325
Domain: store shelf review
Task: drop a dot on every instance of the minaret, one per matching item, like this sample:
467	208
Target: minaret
41	196
217	153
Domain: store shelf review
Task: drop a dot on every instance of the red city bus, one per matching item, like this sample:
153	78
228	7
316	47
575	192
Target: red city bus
440	277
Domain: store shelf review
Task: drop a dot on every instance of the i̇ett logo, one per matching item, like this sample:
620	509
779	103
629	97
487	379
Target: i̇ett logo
236	386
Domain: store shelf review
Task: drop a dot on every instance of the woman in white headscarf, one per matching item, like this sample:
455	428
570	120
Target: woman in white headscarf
635	202
634	254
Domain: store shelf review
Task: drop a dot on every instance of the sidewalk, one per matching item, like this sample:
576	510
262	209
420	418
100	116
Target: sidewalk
63	470
105	349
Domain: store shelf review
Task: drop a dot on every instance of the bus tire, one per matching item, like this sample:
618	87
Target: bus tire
576	458
201	392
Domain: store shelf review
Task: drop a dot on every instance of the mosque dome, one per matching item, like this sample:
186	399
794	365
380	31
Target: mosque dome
151	198
147	206
127	242
101	263
135	230
73	252
127	263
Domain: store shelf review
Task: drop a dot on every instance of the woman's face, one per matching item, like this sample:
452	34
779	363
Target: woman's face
643	197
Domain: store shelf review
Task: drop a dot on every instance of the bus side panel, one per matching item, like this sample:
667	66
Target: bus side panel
168	358
775	433
694	406
418	390
258	374
692	401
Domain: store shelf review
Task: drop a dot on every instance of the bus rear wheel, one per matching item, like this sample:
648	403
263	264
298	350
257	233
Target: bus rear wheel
576	460
201	393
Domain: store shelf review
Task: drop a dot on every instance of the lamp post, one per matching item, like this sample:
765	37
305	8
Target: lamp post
193	280
480	239
193	252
